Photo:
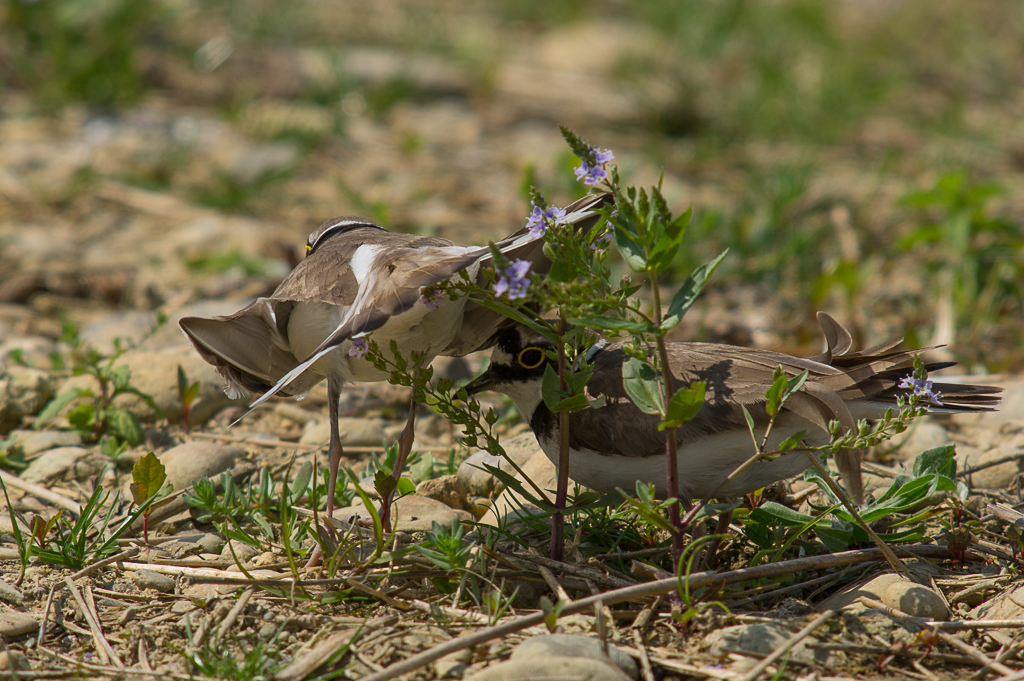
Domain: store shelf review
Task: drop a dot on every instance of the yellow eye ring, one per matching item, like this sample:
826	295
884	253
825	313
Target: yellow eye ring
523	361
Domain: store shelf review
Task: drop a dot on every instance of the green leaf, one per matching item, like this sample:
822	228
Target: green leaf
606	323
631	251
684	405
148	477
941	460
641	384
572	404
57	404
406	486
190	394
182	382
688	292
549	387
562	271
670	237
384	483
792	441
82	417
126	426
776	391
837	536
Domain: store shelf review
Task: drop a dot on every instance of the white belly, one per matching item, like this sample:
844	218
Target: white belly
702	466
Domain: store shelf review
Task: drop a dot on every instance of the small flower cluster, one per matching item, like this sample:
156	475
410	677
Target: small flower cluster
432	300
513	280
594	173
359	348
541	218
922	388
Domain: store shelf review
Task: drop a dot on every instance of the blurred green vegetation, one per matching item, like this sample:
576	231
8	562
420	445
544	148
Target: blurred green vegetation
764	98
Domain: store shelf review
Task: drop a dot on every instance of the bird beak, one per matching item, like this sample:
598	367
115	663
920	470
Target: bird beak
479	384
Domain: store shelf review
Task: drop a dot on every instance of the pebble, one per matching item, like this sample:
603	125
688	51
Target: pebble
10	594
244	552
192	461
267	630
26	388
358	432
874	588
567	645
539	469
448	489
14	660
13	623
924	434
561	668
414	513
479	482
1008	605
56	462
1002	475
178	548
208	541
147	579
758	640
33	442
916	600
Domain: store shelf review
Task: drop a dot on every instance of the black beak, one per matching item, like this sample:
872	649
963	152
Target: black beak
479	384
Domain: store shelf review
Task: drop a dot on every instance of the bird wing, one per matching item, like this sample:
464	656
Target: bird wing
480	325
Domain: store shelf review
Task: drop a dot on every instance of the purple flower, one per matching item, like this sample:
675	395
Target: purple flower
513	280
359	348
590	175
432	301
539	219
595	174
921	388
602	238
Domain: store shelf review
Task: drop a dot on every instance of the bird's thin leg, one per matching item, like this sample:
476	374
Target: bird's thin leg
404	447
334	454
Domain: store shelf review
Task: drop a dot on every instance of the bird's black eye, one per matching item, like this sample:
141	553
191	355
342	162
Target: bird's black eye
531	358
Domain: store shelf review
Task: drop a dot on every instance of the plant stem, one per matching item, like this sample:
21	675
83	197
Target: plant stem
558	519
671	448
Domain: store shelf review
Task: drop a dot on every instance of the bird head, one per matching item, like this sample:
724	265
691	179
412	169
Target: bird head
517	367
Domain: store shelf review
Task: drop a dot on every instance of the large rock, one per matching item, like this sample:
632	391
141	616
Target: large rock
193	461
23	392
32	442
74	463
923	434
1001	475
759	640
560	668
874	588
479	482
510	504
414	513
916	600
155	373
358	432
1008	605
568	645
447	489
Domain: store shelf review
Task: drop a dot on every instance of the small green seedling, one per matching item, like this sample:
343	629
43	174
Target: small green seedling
148	476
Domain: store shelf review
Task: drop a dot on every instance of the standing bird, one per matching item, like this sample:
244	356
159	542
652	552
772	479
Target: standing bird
618	444
359	278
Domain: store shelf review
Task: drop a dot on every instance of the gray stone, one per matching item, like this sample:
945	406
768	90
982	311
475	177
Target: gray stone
155	373
35	350
34	442
561	668
30	389
923	434
541	471
208	541
13	623
147	579
916	600
1001	475
413	512
56	462
10	594
567	645
368	432
181	549
448	489
873	588
14	660
244	552
758	640
479	482
193	461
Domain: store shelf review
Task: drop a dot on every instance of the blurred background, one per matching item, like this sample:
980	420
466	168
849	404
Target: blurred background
861	157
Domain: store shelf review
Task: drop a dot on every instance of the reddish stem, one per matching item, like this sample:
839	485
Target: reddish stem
558	520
